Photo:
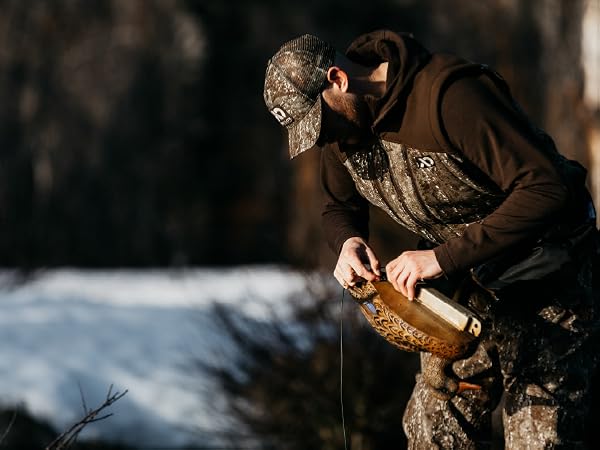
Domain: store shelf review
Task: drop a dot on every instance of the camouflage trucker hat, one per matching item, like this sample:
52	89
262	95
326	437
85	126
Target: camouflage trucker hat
294	79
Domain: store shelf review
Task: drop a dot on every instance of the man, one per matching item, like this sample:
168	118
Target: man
439	144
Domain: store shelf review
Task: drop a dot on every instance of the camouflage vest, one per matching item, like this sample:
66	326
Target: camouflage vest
433	194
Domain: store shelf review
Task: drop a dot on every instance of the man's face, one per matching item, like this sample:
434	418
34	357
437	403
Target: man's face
345	117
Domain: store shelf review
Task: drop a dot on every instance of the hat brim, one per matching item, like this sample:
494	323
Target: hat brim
305	133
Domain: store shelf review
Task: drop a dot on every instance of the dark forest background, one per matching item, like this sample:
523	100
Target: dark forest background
133	133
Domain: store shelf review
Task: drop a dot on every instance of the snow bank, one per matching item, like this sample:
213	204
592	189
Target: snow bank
137	330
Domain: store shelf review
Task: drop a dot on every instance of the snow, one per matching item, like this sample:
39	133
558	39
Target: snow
66	330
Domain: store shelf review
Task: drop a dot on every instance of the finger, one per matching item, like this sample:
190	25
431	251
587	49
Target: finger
360	269
389	267
397	281
390	274
337	273
349	275
364	272
375	265
341	268
410	286
394	269
402	280
394	266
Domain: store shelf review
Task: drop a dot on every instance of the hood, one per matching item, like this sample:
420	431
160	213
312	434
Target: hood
405	56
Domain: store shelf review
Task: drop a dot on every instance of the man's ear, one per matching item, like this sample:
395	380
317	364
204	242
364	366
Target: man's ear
338	78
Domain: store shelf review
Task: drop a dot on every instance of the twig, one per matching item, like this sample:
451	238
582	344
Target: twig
66	439
85	408
10	424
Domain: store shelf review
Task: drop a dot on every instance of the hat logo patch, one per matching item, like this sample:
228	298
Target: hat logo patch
282	116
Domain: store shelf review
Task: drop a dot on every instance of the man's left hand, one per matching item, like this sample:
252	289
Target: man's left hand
410	267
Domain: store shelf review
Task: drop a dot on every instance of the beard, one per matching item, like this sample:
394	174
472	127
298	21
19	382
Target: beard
354	115
347	120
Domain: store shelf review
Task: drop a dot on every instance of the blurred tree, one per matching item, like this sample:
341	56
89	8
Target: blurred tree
134	133
284	386
282	383
98	106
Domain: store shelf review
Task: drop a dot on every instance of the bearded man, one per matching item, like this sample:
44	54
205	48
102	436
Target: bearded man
440	145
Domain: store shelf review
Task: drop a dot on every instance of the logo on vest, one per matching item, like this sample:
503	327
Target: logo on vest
282	116
425	162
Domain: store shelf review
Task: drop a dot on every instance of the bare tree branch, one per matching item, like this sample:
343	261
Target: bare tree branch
68	438
85	408
7	430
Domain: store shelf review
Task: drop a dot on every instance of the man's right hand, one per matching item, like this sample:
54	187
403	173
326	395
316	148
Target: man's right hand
356	261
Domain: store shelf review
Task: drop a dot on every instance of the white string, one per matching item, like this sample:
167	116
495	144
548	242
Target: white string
342	367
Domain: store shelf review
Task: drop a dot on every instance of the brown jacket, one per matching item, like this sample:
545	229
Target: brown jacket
443	110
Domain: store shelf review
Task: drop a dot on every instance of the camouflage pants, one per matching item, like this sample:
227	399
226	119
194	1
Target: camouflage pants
538	355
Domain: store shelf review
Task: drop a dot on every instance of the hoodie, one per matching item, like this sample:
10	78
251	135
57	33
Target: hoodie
454	159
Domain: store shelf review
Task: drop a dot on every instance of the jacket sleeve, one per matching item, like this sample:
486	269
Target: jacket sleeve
483	124
345	212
